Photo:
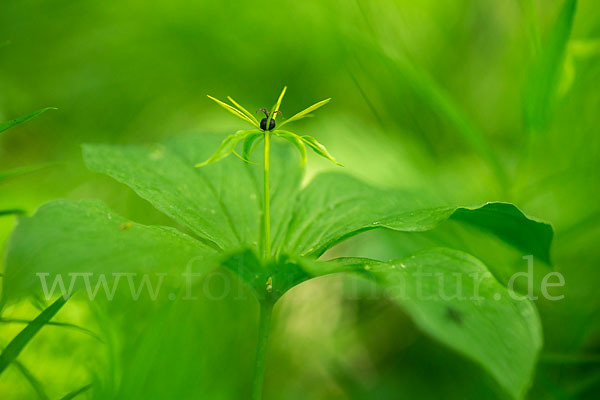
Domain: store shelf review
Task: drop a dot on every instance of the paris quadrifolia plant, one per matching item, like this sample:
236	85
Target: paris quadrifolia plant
252	137
272	239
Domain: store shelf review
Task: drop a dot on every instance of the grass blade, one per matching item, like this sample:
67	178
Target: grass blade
51	323
13	211
33	381
6	125
75	393
544	75
306	111
14	348
233	110
248	113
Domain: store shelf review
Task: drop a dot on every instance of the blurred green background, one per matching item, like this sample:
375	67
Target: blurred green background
468	100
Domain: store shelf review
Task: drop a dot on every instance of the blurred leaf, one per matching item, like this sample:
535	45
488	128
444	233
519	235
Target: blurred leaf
76	393
530	14
66	237
437	98
6	125
544	75
35	384
438	288
14	348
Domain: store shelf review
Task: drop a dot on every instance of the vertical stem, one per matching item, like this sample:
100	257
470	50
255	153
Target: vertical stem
266	309
267	201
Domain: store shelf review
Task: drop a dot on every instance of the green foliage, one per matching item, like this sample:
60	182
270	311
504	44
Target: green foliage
220	205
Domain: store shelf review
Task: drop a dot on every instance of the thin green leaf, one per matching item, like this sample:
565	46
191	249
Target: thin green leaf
227	146
33	381
6	125
318	148
75	393
14	348
304	112
278	104
233	110
296	141
250	143
246	112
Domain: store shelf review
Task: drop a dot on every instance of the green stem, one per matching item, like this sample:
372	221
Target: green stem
267	201
266	309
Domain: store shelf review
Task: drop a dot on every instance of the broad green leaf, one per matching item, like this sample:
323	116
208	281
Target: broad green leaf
234	111
305	112
171	184
221	202
294	140
228	146
452	297
66	237
242	109
545	71
14	348
335	206
6	125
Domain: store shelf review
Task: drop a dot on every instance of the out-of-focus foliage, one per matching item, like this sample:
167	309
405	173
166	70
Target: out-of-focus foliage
466	101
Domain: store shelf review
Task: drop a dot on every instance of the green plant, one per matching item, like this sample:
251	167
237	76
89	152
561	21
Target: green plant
230	225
